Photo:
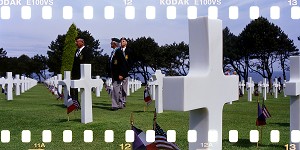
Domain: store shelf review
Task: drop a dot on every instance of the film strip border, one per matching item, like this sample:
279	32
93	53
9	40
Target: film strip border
109	11
150	136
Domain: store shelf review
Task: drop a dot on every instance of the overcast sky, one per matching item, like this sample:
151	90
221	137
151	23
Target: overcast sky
19	36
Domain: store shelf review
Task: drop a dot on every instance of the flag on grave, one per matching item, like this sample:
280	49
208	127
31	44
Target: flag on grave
140	142
265	111
72	104
261	119
161	139
147	97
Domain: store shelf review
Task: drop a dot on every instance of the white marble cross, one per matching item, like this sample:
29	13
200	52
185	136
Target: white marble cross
2	82
9	82
128	87
22	84
66	83
132	86
259	86
158	84
293	90
243	86
59	87
152	88
205	89
275	88
86	83
265	86
250	87
17	83
99	87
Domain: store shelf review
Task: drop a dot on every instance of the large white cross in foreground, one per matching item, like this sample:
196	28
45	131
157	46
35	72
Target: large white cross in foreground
205	89
293	90
85	83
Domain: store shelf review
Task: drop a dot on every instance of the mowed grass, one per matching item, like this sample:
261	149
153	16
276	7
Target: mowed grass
37	110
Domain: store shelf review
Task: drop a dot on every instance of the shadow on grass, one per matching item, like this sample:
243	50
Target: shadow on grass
282	124
142	111
60	105
240	143
103	104
245	143
72	119
102	107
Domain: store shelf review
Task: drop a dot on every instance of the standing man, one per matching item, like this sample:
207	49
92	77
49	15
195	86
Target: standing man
118	70
83	55
127	53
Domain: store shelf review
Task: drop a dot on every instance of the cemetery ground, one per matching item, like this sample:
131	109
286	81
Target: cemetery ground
37	110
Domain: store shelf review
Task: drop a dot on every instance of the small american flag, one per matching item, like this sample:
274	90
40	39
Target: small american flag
265	111
74	104
147	97
161	139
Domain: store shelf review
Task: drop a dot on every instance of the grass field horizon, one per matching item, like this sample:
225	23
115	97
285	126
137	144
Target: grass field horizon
37	110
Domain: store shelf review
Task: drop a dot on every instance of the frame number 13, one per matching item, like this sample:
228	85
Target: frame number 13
290	147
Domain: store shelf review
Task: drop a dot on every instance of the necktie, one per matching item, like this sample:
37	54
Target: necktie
112	54
123	49
78	52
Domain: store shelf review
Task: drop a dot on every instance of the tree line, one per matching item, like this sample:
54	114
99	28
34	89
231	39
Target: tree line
259	46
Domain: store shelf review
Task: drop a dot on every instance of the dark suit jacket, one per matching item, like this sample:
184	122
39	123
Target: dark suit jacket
84	57
118	65
129	58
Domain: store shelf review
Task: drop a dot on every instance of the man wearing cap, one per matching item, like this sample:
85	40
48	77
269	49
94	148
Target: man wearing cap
118	72
127	53
83	55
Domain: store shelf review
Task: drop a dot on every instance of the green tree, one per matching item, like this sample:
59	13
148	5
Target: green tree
261	40
3	62
286	49
144	52
55	54
39	66
69	49
175	59
233	58
24	65
56	47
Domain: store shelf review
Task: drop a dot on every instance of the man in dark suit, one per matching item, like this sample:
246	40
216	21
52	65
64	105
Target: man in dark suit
118	70
127	52
83	55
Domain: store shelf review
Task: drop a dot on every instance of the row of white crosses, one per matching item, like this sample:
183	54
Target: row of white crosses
84	85
132	86
263	87
57	82
250	88
53	81
21	84
242	86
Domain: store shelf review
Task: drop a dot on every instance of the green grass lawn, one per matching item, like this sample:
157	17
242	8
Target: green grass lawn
37	110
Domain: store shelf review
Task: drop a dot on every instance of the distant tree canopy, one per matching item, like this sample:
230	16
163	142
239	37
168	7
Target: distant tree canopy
24	65
260	47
